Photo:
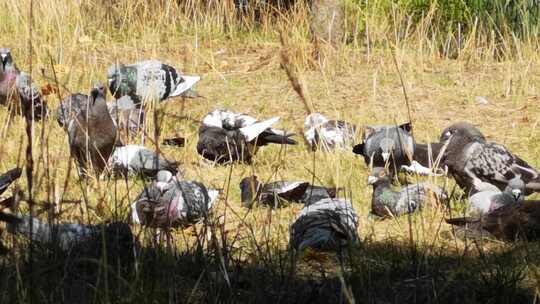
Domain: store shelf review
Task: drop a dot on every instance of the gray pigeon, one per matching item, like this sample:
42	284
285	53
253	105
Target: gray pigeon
226	136
327	135
277	194
327	224
90	128
127	116
387	146
477	165
387	201
170	203
485	202
18	88
139	160
148	80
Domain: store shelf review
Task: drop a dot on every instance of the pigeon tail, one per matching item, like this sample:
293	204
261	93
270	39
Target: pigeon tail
9	218
253	131
7	178
134	214
279	139
358	149
533	186
189	81
213	195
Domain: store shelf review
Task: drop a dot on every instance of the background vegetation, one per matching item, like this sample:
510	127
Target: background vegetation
448	52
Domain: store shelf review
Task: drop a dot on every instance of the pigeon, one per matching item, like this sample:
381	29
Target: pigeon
226	136
327	135
70	235
127	116
277	194
485	202
148	80
18	87
139	160
171	203
387	145
388	202
327	224
477	165
508	223
90	128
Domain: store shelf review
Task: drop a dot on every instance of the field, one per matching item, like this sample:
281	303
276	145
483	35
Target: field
241	255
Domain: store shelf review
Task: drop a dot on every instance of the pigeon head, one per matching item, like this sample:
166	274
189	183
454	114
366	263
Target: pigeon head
96	94
5	57
314	120
463	130
249	189
378	175
387	147
114	77
98	85
406	127
163	178
213	119
114	71
516	186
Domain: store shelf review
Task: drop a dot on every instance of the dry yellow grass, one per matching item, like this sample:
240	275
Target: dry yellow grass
240	68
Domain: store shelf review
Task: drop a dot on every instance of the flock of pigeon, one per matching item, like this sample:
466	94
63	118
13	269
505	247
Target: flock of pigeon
495	181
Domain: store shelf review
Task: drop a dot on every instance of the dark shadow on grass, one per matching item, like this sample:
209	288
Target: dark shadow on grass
372	273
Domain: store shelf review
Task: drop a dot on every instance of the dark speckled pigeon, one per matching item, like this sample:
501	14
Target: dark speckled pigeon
170	203
510	222
387	145
17	87
148	80
226	136
90	128
387	201
327	224
477	165
279	193
327	135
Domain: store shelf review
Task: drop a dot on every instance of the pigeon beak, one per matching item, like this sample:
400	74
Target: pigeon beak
516	193
372	180
385	156
3	60
161	186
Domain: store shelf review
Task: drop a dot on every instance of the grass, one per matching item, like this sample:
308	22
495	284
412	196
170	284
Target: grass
241	255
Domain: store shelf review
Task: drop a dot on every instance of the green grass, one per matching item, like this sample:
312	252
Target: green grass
240	66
